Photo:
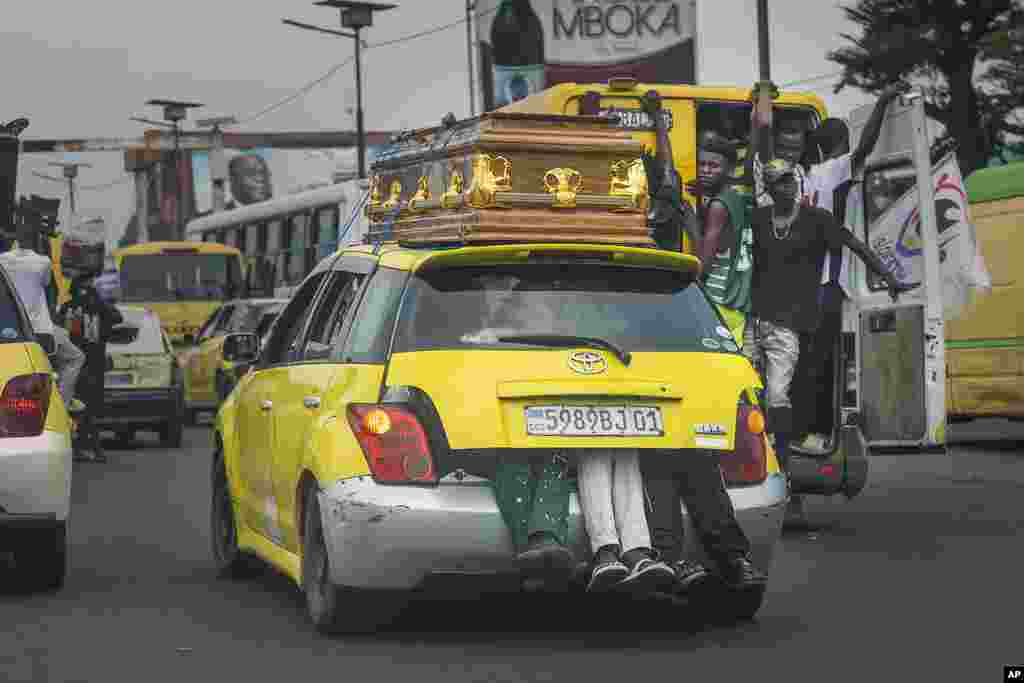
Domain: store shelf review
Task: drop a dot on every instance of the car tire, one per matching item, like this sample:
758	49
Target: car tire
735	607
230	561
334	609
42	562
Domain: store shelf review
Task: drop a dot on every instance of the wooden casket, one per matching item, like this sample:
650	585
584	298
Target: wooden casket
505	177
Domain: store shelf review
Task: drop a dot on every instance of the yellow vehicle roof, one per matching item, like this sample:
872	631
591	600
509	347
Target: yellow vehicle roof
159	247
393	255
552	99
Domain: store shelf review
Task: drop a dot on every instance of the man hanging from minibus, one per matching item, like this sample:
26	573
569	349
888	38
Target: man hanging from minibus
790	242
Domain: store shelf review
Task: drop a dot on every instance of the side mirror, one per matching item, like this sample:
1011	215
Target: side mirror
48	343
241	347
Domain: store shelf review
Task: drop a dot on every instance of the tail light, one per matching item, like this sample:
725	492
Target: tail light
394	443
23	405
748	463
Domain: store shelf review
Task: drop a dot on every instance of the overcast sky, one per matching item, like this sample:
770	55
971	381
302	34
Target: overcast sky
82	69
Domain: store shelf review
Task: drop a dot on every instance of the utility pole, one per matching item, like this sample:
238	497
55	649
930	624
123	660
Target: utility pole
218	166
70	175
470	6
765	87
356	16
174	112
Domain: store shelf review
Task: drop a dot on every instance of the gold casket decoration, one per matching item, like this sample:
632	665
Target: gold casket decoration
512	177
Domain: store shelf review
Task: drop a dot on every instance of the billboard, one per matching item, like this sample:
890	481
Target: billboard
249	178
529	45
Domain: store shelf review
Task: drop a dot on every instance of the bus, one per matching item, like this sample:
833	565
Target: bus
283	239
985	347
181	282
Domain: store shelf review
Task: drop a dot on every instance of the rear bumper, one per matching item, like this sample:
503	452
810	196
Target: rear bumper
845	471
35	479
400	537
138	406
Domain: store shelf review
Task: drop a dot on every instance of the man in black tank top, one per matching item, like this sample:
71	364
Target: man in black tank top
790	243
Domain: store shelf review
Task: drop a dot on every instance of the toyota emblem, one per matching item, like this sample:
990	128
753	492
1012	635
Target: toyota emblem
587	362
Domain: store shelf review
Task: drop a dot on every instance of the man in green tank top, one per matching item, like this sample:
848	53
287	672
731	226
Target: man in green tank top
726	246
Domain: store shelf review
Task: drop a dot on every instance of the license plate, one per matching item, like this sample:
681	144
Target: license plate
635	119
118	379
567	420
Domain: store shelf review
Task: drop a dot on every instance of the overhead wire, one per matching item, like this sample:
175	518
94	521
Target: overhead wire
305	89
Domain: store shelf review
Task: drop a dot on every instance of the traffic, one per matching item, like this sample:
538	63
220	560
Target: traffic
546	359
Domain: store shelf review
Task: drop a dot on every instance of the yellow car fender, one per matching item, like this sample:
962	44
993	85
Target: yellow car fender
224	427
332	452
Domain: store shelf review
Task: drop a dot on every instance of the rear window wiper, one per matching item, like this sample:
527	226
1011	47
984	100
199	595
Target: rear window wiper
566	340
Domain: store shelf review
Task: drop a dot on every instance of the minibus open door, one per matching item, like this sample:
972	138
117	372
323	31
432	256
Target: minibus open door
895	351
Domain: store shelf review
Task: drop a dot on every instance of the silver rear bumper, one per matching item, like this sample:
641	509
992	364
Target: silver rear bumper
397	537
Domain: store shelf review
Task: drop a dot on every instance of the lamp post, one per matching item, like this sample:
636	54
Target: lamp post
175	112
356	16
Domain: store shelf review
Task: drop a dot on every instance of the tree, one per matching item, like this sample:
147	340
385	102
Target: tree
966	56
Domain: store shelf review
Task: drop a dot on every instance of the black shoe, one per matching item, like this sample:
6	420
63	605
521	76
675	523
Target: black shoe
741	575
647	573
691	577
608	570
544	552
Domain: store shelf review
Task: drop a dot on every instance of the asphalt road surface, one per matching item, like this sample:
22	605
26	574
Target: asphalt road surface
918	579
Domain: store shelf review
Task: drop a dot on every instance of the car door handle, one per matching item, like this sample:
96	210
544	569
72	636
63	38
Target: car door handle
311	401
266	405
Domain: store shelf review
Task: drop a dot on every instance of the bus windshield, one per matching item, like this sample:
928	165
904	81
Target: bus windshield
179	277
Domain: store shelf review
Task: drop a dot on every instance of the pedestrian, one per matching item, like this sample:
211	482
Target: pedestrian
32	275
90	321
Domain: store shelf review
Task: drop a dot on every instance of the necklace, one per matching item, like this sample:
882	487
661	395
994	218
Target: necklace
782	226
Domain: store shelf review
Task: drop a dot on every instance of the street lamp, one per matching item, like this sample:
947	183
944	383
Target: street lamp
356	16
175	112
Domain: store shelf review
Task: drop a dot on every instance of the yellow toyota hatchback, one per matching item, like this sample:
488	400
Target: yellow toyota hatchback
35	451
358	453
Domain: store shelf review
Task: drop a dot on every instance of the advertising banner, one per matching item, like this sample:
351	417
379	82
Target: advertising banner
249	178
527	46
896	237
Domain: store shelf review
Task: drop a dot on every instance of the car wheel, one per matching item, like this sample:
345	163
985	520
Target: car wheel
229	560
334	609
734	607
42	562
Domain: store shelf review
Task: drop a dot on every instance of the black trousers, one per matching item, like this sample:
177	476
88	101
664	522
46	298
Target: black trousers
696	478
89	390
814	384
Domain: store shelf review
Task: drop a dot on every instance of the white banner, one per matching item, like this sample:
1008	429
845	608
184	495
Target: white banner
896	238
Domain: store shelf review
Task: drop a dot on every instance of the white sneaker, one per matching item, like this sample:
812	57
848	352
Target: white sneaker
813	443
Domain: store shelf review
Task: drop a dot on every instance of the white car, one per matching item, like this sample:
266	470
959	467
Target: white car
35	451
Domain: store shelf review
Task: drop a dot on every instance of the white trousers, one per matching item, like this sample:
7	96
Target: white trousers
611	491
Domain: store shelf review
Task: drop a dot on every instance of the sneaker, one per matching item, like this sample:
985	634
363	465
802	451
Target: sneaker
544	552
608	570
691	576
647	573
740	574
813	444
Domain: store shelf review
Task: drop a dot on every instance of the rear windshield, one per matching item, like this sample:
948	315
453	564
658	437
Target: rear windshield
10	323
139	333
637	309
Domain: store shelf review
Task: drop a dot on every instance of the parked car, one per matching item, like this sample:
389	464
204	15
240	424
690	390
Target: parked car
357	453
35	450
208	378
143	389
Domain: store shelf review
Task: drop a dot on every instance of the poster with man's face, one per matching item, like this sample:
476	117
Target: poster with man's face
249	178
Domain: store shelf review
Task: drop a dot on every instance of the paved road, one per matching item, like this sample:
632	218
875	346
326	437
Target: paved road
919	579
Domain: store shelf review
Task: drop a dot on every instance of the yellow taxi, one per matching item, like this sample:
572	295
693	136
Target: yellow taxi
357	453
208	377
35	450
